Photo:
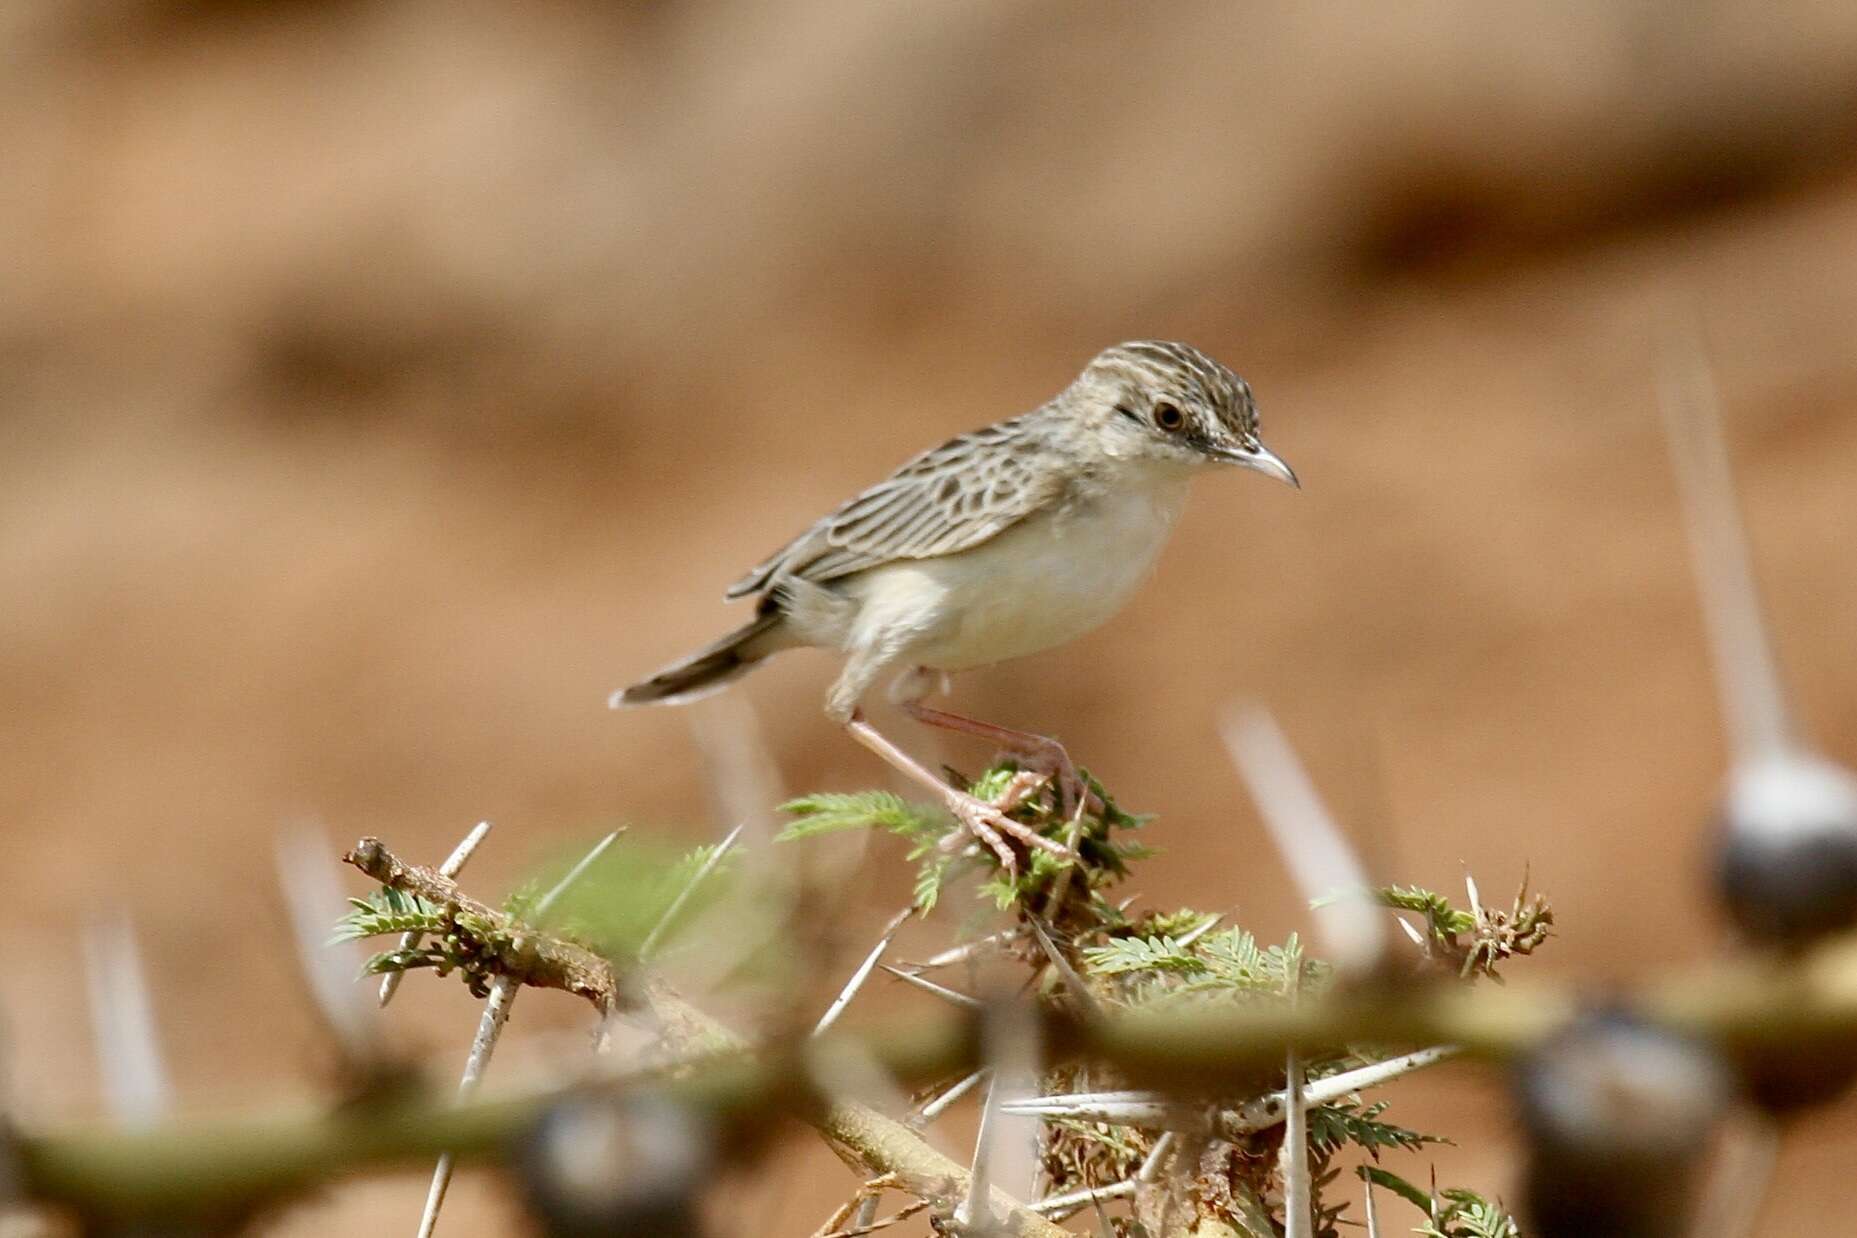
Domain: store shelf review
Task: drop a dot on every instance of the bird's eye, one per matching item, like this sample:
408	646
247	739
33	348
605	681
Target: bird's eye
1169	417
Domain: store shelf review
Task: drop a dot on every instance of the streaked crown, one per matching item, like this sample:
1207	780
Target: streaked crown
1189	378
1157	400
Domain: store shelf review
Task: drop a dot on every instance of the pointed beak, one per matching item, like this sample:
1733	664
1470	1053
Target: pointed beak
1264	461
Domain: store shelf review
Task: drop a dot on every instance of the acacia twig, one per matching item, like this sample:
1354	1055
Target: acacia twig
453	865
1752	1009
542	960
503	992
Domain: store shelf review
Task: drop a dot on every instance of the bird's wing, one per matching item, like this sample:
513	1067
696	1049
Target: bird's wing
945	500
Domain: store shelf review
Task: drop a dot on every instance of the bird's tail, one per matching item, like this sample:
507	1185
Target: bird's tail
709	669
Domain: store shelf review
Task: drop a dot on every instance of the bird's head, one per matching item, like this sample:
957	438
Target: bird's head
1166	402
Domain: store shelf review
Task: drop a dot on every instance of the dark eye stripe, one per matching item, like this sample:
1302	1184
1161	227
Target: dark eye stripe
1128	412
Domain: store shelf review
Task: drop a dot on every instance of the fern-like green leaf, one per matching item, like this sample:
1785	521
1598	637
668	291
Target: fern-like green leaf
830	812
1436	908
1412	1194
1121	955
1465	1214
1333	1126
387	912
1451	1213
400	960
929	878
1234	957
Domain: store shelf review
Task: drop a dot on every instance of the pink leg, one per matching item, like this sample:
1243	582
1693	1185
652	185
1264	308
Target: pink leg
1050	754
977	817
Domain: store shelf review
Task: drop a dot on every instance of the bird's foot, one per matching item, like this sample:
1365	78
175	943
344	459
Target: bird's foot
988	824
1048	761
1036	753
1020	787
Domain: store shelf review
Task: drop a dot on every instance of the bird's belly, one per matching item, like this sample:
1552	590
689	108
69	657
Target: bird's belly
1046	582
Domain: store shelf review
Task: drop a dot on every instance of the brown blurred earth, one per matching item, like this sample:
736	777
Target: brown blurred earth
381	385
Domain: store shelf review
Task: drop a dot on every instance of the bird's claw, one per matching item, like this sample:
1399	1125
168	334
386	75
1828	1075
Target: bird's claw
987	824
1020	787
1049	762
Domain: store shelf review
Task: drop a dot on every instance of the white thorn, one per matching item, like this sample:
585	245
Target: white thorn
312	891
546	902
851	1072
961	953
1052	1205
1476	899
971	1209
1157	1111
1157	1156
122	1020
1200	930
1318	855
435	1196
1739	1179
1418	938
1004	1149
503	991
863	972
929	986
1150	1110
938	1105
1746	671
1080	994
453	865
1011	1037
743	776
1298	1221
1373	1217
466	848
683	896
1266	1111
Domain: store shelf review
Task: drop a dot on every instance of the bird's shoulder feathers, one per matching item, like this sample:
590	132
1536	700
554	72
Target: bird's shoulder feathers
946	500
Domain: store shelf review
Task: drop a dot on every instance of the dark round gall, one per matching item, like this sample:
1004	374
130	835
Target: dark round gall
599	1165
1617	1114
1787	867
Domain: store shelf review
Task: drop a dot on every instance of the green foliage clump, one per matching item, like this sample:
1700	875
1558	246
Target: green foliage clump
451	938
610	910
1450	1213
941	855
1166	960
1473	942
1332	1128
614	907
1153	968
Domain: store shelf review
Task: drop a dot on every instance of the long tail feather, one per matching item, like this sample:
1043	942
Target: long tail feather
708	670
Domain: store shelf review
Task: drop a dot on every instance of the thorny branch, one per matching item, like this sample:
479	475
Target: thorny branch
197	1166
539	959
864	1138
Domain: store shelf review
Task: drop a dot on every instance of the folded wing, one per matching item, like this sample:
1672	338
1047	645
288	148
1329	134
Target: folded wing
945	500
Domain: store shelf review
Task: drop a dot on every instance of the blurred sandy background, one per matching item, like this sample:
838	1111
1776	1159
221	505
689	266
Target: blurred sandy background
380	385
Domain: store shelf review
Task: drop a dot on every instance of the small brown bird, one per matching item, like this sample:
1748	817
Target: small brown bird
999	543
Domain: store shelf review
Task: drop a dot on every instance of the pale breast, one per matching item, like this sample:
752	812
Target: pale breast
1044	582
